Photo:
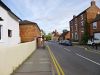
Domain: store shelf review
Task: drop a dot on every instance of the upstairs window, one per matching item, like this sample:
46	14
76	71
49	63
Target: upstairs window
76	28
9	33
76	20
95	25
82	23
82	17
72	28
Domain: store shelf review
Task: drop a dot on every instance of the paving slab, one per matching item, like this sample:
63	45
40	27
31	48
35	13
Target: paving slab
38	64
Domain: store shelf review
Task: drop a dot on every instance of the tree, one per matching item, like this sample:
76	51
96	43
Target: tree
85	36
48	36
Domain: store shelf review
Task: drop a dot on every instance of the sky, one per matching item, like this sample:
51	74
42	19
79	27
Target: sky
49	14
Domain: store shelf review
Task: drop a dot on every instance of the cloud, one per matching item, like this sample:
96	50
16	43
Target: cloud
49	14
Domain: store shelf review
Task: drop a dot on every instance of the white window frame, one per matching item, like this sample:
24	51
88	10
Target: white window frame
82	23
76	27
75	20
76	36
94	25
82	17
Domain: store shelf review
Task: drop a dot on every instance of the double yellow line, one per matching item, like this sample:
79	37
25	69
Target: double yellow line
55	62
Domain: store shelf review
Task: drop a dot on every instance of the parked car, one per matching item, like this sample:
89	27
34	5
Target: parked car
66	42
61	42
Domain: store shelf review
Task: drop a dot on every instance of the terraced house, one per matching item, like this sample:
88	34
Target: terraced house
95	27
77	24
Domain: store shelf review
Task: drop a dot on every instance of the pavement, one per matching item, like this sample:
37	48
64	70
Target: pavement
39	63
91	48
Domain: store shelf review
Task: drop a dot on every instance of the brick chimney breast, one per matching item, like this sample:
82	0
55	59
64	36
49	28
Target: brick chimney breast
93	3
74	16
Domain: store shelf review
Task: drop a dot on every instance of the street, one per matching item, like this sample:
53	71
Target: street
75	60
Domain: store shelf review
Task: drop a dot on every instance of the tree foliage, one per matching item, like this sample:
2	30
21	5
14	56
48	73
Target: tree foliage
48	37
85	36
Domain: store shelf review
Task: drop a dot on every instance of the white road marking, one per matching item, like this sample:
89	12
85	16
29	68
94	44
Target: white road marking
88	59
67	49
93	51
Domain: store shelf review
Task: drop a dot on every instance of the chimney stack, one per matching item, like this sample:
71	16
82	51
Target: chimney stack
93	3
74	16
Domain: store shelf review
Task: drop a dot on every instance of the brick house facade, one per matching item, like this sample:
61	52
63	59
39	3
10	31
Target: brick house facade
55	35
29	31
95	26
77	23
65	36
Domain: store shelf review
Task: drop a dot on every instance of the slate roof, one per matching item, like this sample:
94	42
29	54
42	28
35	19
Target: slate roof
26	22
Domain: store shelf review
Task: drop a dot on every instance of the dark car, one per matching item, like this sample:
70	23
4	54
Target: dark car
67	43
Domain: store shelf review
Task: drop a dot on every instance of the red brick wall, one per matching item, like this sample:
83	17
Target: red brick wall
91	13
67	36
29	32
95	30
88	15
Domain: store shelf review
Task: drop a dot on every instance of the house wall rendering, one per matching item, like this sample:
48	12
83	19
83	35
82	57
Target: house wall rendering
9	26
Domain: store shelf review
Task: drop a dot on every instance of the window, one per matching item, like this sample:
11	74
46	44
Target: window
82	17
72	35
9	33
75	24
75	20
76	36
72	28
76	28
82	23
95	25
82	30
0	32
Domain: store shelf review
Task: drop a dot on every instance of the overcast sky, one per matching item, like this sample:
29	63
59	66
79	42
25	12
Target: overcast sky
49	14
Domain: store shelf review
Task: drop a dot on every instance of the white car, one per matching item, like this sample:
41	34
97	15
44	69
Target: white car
93	42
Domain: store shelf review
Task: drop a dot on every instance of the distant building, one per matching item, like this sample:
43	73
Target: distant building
55	35
65	36
9	26
78	22
29	31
